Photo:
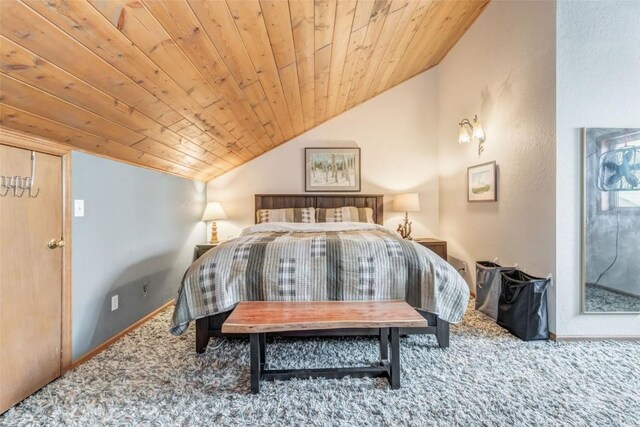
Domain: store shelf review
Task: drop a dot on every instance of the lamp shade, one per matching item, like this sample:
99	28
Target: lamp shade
464	137
478	132
408	202
213	212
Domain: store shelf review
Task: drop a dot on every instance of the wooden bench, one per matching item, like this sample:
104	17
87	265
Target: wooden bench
259	317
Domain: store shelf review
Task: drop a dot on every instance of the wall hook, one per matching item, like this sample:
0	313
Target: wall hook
17	184
3	186
20	184
29	185
33	196
32	178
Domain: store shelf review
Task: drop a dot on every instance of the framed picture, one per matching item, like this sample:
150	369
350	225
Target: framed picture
481	183
332	169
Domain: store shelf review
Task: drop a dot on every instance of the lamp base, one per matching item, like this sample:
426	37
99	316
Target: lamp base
214	234
405	229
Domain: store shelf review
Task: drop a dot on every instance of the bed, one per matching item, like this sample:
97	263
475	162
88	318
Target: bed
329	261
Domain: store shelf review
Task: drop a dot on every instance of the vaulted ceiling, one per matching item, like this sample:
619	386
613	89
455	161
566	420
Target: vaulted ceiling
197	87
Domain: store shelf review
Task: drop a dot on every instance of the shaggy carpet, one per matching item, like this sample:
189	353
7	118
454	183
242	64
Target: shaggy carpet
602	300
487	377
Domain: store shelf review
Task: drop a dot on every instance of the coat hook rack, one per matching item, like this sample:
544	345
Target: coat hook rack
18	184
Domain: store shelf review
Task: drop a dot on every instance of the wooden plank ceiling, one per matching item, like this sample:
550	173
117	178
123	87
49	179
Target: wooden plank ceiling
197	87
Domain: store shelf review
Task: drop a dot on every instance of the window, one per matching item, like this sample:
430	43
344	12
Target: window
630	199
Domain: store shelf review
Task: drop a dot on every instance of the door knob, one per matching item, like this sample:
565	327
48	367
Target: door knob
53	243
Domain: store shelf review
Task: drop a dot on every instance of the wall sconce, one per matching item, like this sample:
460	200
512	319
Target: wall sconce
476	130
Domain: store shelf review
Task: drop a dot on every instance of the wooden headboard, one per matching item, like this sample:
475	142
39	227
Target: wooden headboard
281	201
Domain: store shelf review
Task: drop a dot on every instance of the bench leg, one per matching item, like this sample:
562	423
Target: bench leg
263	351
202	334
442	333
384	344
395	359
254	341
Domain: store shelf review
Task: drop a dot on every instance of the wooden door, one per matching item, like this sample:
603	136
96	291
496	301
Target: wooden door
30	278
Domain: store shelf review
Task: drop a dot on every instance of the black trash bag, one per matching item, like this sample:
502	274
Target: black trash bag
522	308
488	285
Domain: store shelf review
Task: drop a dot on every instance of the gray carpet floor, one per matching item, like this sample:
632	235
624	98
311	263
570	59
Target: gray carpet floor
602	300
486	378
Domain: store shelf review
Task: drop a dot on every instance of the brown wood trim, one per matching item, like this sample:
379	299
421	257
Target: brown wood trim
99	349
67	283
31	142
280	201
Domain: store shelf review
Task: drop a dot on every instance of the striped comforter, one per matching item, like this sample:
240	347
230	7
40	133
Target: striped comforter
316	262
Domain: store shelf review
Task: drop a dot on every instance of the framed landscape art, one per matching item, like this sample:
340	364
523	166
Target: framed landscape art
481	183
332	169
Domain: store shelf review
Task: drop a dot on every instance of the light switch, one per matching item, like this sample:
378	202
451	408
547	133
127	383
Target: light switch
78	208
114	303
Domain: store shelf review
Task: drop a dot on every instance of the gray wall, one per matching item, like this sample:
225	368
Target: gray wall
139	226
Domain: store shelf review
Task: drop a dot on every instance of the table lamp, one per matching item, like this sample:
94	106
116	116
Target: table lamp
406	203
212	213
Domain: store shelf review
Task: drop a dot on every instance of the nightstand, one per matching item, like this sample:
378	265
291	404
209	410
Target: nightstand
437	246
200	250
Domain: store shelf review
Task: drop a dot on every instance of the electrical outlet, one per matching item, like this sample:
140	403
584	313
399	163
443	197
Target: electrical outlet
145	289
114	303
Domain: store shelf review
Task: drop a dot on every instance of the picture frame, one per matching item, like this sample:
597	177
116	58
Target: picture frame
482	183
332	169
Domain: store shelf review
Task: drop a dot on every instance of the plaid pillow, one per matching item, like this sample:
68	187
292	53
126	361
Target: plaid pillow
307	215
346	214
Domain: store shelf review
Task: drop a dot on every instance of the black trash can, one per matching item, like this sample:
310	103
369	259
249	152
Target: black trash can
522	308
488	287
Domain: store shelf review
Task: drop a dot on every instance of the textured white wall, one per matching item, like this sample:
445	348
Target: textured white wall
597	80
503	69
397	134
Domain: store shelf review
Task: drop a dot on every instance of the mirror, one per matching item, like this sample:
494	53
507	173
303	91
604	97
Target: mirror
611	220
